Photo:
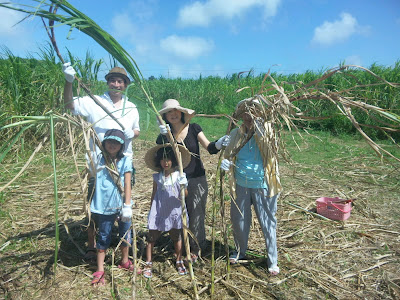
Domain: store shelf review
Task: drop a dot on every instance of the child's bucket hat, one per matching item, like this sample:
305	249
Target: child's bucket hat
117	135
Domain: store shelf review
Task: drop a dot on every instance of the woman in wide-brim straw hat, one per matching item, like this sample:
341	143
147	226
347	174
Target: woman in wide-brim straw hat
251	161
192	136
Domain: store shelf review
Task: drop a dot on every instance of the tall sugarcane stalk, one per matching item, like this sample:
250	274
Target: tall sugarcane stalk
175	148
134	254
214	211
53	155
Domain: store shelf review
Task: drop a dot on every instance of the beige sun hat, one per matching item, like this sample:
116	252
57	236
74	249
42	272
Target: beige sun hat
151	155
251	105
171	104
119	72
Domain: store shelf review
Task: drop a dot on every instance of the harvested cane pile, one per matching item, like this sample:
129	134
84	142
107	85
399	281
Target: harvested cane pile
355	259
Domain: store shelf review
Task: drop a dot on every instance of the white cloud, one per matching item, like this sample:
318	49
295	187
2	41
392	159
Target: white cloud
338	31
122	26
141	37
186	47
12	36
203	14
142	10
8	18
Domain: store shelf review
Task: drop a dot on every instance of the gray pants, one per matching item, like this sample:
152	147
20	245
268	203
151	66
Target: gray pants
265	208
196	207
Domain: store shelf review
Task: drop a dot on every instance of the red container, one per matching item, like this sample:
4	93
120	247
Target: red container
334	208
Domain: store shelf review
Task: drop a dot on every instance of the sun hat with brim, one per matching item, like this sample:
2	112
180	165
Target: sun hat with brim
151	155
171	104
250	105
118	72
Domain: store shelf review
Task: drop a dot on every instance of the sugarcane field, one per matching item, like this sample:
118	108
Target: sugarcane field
310	157
354	259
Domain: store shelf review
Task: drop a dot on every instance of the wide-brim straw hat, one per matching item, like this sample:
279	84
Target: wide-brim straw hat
119	72
171	104
249	105
151	155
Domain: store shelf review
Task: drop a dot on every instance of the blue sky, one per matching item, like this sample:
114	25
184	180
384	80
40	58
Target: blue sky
222	37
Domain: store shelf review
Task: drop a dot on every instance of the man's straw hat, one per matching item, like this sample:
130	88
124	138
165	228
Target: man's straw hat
120	72
171	104
151	155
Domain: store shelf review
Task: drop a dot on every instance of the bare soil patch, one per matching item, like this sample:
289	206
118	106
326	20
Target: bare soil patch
319	259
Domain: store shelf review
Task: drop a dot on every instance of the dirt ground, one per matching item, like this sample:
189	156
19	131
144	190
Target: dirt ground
319	259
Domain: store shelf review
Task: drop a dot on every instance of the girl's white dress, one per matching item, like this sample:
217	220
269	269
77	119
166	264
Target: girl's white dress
166	211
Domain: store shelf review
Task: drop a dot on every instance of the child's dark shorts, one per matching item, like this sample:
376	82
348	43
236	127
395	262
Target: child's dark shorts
174	234
105	223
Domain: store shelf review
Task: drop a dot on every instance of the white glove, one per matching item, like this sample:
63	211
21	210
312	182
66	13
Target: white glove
183	180
260	129
69	72
222	142
129	134
225	164
164	129
126	213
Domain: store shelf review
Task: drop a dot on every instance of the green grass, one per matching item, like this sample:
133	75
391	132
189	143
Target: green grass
3	213
327	147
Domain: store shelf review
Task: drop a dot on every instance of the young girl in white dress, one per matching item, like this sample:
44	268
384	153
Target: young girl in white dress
166	210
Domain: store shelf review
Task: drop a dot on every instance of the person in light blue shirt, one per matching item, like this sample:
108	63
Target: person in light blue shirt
250	159
112	201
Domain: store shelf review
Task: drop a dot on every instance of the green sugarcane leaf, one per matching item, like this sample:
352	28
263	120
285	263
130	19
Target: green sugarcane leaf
25	122
390	115
8	145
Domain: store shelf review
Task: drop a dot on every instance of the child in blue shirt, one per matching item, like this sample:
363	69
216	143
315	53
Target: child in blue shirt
110	203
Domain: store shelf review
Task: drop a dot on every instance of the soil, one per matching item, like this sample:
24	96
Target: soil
319	259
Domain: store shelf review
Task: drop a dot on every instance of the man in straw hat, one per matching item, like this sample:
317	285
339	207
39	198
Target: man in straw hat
121	109
192	136
251	160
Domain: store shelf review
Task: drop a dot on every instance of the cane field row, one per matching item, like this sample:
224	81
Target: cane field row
33	87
